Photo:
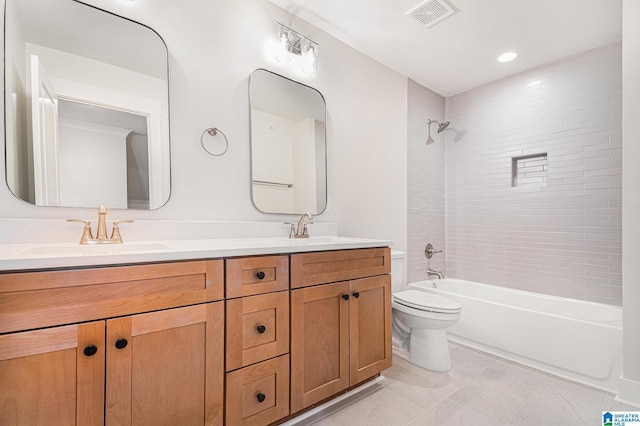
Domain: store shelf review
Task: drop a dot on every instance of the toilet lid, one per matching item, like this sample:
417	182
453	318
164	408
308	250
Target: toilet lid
426	301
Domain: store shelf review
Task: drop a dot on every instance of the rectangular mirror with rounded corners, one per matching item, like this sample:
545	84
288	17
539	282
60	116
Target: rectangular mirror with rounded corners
288	145
86	107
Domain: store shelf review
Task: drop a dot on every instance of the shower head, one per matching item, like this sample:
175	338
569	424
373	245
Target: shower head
442	126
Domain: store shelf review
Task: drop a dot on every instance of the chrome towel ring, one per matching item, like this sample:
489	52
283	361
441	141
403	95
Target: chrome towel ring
212	131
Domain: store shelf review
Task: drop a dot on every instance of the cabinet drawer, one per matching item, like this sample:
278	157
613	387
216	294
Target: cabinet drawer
257	328
258	394
248	276
40	299
332	266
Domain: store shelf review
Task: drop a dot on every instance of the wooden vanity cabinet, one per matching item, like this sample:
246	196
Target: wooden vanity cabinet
340	332
145	344
155	354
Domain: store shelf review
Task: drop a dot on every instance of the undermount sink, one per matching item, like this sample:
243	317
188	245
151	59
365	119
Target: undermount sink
91	249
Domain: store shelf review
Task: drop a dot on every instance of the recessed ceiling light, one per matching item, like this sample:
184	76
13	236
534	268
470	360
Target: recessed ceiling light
507	56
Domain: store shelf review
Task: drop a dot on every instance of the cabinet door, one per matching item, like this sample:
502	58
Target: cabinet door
166	367
319	343
53	376
369	327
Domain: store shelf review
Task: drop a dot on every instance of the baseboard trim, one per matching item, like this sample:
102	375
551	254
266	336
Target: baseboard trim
335	404
629	392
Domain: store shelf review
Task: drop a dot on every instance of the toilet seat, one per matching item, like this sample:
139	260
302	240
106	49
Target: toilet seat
425	301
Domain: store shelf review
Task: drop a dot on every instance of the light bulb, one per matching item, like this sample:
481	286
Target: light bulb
283	47
309	57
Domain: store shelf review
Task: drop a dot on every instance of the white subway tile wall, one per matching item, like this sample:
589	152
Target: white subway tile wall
425	191
562	237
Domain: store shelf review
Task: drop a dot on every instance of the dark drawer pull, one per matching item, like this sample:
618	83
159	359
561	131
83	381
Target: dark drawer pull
345	296
356	294
260	275
261	397
90	350
121	343
261	329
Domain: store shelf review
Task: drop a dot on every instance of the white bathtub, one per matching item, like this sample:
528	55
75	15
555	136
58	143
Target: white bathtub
571	338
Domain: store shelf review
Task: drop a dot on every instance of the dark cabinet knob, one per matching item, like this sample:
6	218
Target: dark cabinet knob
121	343
261	397
90	350
345	296
356	294
261	329
260	275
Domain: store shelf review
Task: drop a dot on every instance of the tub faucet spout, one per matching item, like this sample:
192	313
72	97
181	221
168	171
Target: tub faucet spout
439	274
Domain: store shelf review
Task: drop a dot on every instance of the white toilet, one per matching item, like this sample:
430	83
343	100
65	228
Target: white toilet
420	319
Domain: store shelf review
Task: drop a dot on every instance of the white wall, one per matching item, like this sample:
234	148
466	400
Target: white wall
630	383
562	237
214	45
368	170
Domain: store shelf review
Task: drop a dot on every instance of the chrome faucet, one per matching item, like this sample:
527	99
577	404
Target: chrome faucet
300	230
431	272
101	237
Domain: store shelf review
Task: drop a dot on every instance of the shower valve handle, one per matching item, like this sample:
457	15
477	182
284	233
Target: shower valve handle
429	251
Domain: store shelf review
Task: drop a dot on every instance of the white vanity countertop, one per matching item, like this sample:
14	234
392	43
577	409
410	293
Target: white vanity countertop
15	257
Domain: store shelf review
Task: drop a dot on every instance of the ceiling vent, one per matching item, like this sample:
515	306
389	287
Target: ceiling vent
431	12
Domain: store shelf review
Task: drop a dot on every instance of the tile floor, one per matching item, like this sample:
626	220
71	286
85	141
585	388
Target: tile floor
479	390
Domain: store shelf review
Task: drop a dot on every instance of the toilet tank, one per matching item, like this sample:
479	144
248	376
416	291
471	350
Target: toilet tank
397	271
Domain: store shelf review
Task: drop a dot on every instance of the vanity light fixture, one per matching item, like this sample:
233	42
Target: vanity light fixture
507	57
293	45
